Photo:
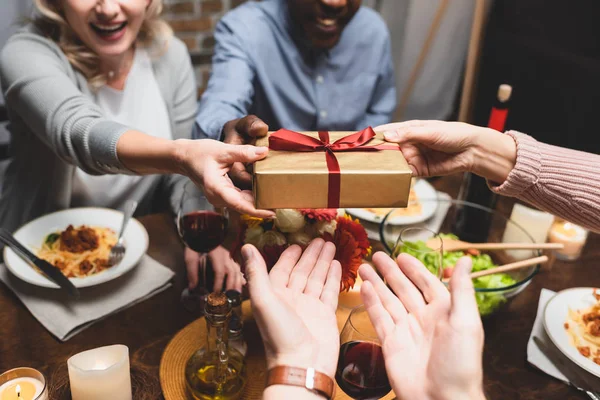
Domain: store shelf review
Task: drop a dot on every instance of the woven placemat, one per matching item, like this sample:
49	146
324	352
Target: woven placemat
193	336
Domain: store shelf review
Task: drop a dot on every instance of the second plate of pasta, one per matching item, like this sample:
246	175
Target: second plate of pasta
78	241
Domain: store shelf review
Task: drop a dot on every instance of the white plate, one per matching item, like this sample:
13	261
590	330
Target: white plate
423	190
32	235
555	316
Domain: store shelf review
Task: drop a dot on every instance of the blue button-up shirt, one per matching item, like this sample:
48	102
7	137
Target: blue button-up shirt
262	66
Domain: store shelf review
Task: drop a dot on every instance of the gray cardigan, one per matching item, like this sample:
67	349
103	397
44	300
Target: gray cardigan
56	127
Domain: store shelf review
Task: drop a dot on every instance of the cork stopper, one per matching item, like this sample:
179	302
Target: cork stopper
217	303
504	92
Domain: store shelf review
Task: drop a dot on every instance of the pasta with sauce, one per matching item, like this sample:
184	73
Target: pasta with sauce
583	327
79	252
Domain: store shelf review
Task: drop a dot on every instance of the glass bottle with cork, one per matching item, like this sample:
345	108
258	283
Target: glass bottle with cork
236	324
216	370
472	224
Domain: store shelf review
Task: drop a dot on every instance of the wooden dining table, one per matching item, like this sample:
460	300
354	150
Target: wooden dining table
147	327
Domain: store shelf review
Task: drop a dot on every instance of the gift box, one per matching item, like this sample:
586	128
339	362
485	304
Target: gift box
330	170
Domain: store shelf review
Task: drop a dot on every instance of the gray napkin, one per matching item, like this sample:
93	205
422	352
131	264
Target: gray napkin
535	355
65	317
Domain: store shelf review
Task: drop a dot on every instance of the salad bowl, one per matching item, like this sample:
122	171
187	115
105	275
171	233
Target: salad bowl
491	291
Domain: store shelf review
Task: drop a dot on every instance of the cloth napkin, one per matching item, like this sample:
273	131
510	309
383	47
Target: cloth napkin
535	355
433	223
65	317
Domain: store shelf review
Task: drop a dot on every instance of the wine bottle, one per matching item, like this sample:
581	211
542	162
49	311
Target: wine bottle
473	224
216	370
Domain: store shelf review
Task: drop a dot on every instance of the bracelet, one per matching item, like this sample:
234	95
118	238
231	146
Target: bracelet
308	378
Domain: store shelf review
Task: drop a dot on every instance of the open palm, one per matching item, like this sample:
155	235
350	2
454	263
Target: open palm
294	305
432	340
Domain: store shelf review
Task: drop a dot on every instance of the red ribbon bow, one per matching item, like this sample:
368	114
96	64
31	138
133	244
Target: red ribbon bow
285	140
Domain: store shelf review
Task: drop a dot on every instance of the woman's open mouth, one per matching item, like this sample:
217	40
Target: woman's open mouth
109	31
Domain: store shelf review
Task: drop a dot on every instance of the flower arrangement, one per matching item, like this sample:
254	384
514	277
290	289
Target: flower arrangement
290	226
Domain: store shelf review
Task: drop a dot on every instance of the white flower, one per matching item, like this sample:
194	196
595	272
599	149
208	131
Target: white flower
301	238
253	235
323	226
270	238
289	220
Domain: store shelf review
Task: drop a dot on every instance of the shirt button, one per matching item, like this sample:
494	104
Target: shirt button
323	114
320	79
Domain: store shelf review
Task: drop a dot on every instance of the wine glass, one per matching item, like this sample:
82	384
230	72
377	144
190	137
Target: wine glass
361	371
202	228
425	245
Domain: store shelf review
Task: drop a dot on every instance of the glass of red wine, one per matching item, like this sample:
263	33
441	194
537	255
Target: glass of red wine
361	368
202	228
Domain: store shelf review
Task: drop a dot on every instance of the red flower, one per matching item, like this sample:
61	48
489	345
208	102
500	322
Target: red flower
272	253
352	244
319	214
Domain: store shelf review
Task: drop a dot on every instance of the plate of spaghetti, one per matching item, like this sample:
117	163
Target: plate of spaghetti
572	321
78	241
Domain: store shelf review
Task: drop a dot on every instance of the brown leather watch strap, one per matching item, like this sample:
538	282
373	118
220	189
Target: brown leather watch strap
307	378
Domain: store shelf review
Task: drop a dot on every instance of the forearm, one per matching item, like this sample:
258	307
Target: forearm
561	181
495	155
144	154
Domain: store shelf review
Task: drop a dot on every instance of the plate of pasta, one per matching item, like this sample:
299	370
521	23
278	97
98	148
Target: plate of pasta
572	321
78	241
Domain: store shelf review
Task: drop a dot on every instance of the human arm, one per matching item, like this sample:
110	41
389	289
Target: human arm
294	306
425	330
564	182
383	98
230	89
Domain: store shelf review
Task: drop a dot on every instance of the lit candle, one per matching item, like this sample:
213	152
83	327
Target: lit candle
571	235
535	225
351	298
100	374
23	384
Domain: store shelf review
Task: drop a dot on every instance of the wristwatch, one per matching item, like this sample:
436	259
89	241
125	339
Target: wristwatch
308	378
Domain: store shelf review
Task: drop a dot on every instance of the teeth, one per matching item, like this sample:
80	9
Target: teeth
327	21
108	28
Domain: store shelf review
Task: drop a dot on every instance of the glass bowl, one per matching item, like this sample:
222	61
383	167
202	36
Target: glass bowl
492	291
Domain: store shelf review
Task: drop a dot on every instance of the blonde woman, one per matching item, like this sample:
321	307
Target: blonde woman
101	99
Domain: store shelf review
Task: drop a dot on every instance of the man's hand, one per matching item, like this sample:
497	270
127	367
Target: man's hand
243	131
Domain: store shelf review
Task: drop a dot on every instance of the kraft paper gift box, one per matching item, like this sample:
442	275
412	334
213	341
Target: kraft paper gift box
330	170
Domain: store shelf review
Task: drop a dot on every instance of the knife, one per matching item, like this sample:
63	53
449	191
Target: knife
575	377
44	266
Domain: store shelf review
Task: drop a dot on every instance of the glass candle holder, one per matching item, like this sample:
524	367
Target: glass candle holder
572	236
100	374
23	384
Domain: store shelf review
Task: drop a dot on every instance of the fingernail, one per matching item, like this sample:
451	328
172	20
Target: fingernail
259	151
247	254
390	135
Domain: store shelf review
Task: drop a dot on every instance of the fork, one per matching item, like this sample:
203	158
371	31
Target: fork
118	250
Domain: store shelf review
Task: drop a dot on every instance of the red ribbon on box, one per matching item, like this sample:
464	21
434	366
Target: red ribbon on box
285	140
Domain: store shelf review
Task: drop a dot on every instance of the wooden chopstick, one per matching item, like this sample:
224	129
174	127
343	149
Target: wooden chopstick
516	246
508	267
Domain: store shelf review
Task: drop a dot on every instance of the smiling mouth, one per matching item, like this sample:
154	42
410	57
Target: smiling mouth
327	22
108	29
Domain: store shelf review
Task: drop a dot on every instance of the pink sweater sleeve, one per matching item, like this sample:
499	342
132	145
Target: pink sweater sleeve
560	181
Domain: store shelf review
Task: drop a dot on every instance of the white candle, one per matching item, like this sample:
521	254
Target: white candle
100	374
23	384
351	298
535	223
571	235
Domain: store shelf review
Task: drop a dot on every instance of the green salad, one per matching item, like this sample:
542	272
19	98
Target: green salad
487	302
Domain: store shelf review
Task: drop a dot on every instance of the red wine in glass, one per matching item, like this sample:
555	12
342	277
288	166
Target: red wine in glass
361	371
203	231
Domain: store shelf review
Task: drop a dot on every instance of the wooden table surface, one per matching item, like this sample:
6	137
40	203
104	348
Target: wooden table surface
146	328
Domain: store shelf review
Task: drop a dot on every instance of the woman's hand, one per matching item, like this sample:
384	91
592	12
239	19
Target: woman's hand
437	148
221	263
432	339
207	162
294	305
